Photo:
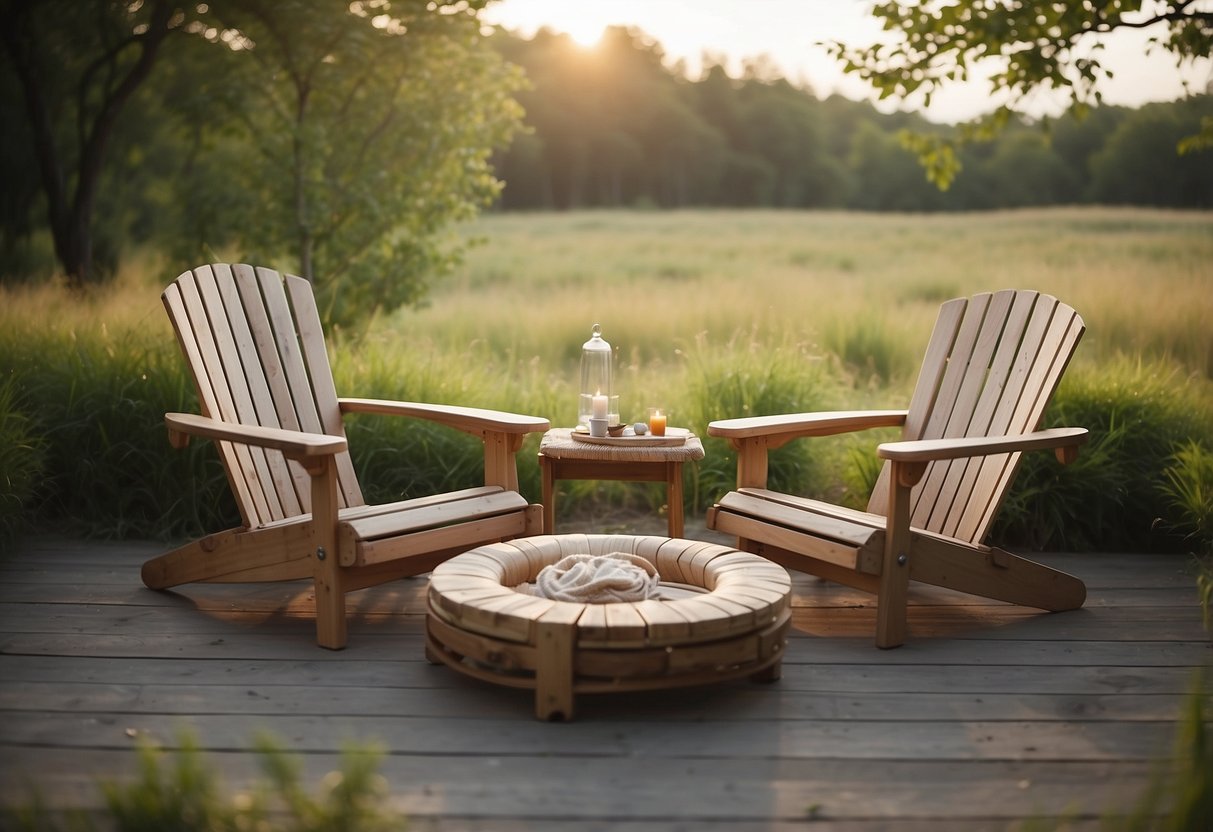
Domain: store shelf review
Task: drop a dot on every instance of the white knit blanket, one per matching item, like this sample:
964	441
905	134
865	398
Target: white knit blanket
596	579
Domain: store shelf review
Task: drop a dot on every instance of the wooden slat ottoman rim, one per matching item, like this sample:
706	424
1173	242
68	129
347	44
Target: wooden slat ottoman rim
481	626
474	591
603	670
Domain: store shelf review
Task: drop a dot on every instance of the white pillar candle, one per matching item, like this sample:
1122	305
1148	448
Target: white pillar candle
600	406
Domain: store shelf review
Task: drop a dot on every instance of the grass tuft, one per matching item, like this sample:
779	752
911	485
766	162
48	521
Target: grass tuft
185	794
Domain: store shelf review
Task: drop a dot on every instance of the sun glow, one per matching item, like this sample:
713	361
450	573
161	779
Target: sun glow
585	33
585	23
789	34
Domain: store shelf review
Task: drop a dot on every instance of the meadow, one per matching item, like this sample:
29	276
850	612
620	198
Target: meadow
712	314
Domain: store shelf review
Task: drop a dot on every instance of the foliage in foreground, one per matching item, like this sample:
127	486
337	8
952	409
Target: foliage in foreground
1179	796
190	797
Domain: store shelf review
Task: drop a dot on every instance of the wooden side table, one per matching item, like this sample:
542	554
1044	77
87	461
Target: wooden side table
561	457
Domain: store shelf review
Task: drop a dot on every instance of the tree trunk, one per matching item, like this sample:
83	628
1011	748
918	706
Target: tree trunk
69	215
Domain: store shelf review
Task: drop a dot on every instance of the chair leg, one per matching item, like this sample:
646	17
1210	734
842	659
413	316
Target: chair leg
329	589
1002	576
894	580
328	576
233	556
891	608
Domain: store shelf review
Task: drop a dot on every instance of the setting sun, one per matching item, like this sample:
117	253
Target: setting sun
789	34
585	33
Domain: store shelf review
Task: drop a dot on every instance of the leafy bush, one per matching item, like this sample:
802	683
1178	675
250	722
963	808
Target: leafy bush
1189	487
746	378
21	462
100	401
1113	498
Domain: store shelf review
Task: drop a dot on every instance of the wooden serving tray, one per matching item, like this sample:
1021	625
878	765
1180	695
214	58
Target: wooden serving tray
672	439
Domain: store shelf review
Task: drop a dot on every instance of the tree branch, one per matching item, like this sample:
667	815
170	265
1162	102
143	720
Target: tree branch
98	135
1176	14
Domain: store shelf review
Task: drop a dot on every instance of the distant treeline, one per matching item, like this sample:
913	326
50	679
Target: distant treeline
614	126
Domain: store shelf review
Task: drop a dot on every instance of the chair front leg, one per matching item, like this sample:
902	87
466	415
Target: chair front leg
895	568
751	461
328	578
501	459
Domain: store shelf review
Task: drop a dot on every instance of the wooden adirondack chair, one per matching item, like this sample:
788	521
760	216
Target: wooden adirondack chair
254	344
990	368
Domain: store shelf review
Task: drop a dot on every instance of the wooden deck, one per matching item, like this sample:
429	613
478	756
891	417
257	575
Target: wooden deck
988	715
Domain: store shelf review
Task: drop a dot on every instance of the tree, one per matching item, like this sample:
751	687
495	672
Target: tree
354	133
77	65
1133	166
1033	46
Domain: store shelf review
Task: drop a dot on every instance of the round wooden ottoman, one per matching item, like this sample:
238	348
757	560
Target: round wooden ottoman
726	617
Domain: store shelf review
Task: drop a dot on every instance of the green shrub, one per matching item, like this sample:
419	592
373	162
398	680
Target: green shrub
21	462
100	400
397	458
1113	497
747	378
1188	486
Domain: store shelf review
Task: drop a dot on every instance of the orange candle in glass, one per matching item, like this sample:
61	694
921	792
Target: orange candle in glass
657	419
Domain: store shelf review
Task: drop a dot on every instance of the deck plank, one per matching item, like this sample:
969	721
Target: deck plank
989	714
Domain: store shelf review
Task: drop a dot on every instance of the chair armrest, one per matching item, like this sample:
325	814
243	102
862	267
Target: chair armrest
293	444
503	433
471	420
910	458
752	437
928	450
787	427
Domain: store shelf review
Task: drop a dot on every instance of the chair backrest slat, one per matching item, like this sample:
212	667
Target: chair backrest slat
279	482
1065	330
954	499
237	459
320	373
174	302
280	410
254	363
987	313
239	382
266	345
934	364
1004	357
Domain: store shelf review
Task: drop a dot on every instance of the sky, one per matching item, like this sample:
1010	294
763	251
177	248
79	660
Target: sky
787	31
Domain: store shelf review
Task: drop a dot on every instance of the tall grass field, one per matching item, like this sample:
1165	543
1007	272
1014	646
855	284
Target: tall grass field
712	314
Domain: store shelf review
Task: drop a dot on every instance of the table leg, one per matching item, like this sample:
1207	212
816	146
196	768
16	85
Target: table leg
674	498
547	470
554	666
